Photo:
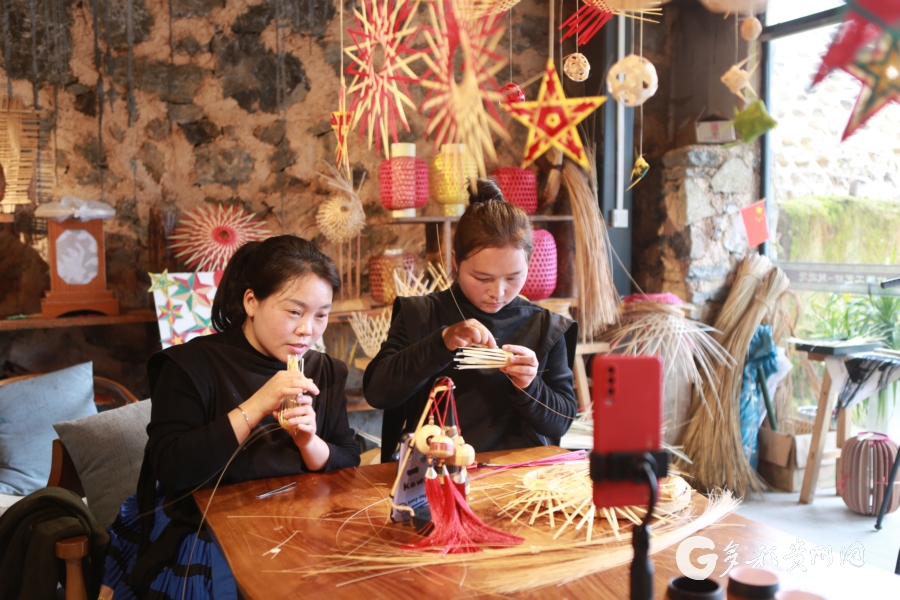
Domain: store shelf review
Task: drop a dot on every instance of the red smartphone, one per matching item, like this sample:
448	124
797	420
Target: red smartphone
627	397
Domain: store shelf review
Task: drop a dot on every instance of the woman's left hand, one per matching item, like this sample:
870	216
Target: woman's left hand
302	420
522	367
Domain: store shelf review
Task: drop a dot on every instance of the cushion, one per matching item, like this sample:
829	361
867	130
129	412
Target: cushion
107	450
28	410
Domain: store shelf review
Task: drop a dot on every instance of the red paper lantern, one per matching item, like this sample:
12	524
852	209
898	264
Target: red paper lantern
519	187
381	273
403	181
866	462
541	280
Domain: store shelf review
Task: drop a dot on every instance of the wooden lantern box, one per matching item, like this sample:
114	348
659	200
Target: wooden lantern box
83	289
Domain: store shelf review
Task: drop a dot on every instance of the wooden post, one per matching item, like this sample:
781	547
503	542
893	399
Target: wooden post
817	448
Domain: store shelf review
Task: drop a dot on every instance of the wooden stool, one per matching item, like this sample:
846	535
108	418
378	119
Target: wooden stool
581	381
73	550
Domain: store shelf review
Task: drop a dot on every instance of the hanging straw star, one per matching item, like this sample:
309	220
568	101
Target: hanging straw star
206	237
384	33
552	120
463	112
879	71
340	123
160	281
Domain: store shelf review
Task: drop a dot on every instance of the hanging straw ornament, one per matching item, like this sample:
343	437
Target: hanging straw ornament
594	14
341	217
380	60
541	279
576	67
371	332
207	237
463	112
403	181
639	171
512	93
552	120
741	7
340	124
632	81
751	29
518	186
736	79
450	177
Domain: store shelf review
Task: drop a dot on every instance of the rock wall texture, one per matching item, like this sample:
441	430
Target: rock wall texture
225	110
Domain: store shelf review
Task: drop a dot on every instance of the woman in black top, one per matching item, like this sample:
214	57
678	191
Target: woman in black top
531	402
210	394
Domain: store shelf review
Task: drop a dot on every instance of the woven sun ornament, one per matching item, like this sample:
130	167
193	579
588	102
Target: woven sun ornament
380	61
341	217
463	112
207	237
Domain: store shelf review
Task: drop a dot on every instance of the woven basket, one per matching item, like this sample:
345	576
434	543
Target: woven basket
519	187
866	462
449	177
541	280
403	183
381	273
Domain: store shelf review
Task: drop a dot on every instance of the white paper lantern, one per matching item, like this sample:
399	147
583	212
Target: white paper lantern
741	7
576	67
632	81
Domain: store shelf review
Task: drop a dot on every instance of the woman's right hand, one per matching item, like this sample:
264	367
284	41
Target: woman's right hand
284	383
466	333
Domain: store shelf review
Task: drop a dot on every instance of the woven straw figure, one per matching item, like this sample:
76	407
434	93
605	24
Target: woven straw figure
632	81
576	67
340	218
737	80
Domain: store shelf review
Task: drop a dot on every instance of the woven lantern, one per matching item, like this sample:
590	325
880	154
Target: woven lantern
519	187
381	273
541	280
403	181
449	177
866	462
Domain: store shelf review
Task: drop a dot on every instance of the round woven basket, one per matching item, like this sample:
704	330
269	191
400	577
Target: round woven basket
381	273
519	187
541	280
866	462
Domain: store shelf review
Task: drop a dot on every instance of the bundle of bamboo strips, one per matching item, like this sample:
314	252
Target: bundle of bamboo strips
713	438
598	300
481	357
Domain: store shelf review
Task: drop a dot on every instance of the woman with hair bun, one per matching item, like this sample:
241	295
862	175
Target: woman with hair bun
209	395
530	402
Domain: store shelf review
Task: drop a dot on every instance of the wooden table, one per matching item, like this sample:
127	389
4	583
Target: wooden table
247	529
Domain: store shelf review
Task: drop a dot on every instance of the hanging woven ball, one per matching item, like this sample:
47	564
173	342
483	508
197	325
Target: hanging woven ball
541	280
576	67
512	93
340	218
381	273
519	187
632	81
750	29
866	462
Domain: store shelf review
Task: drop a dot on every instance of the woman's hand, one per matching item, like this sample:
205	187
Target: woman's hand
466	333
522	367
302	421
284	383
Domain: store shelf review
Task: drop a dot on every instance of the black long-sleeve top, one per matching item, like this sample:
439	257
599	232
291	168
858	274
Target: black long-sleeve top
493	413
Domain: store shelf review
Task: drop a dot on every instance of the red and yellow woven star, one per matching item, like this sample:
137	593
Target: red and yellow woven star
879	71
340	123
552	119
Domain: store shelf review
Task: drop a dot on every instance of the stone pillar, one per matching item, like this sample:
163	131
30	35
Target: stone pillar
702	236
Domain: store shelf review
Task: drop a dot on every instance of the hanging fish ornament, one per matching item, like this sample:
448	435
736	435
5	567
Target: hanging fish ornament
639	171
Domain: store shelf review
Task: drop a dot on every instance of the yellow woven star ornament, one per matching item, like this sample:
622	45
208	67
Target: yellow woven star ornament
552	120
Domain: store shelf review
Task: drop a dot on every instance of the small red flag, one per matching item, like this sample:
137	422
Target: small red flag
756	223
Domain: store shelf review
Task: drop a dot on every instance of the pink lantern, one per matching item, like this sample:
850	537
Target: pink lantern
519	187
403	181
541	280
866	462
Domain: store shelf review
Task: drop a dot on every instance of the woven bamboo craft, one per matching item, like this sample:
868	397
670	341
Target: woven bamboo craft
295	364
381	273
19	134
542	267
481	357
403	183
449	178
371	331
207	237
519	187
866	461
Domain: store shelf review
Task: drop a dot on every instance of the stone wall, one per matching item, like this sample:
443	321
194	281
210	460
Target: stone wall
205	128
702	237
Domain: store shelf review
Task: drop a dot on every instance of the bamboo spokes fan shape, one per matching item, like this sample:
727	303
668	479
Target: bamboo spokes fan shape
207	237
371	331
713	437
19	139
481	357
433	279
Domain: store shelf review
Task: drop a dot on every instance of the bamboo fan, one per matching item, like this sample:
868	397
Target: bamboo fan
19	139
295	364
481	357
371	331
421	286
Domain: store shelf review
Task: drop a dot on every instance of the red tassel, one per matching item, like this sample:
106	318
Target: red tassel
586	22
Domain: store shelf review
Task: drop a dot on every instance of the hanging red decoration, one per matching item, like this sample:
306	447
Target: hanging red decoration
541	280
463	112
512	93
380	61
207	237
519	187
340	123
879	71
587	20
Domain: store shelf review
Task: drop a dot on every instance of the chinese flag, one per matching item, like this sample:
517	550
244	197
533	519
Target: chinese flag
755	223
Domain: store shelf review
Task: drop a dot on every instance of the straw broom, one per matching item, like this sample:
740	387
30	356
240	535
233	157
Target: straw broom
598	300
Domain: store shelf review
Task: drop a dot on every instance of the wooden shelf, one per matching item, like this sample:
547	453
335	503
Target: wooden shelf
141	315
439	219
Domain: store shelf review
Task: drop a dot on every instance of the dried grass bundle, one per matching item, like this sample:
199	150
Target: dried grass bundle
713	438
598	299
554	178
650	328
371	331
